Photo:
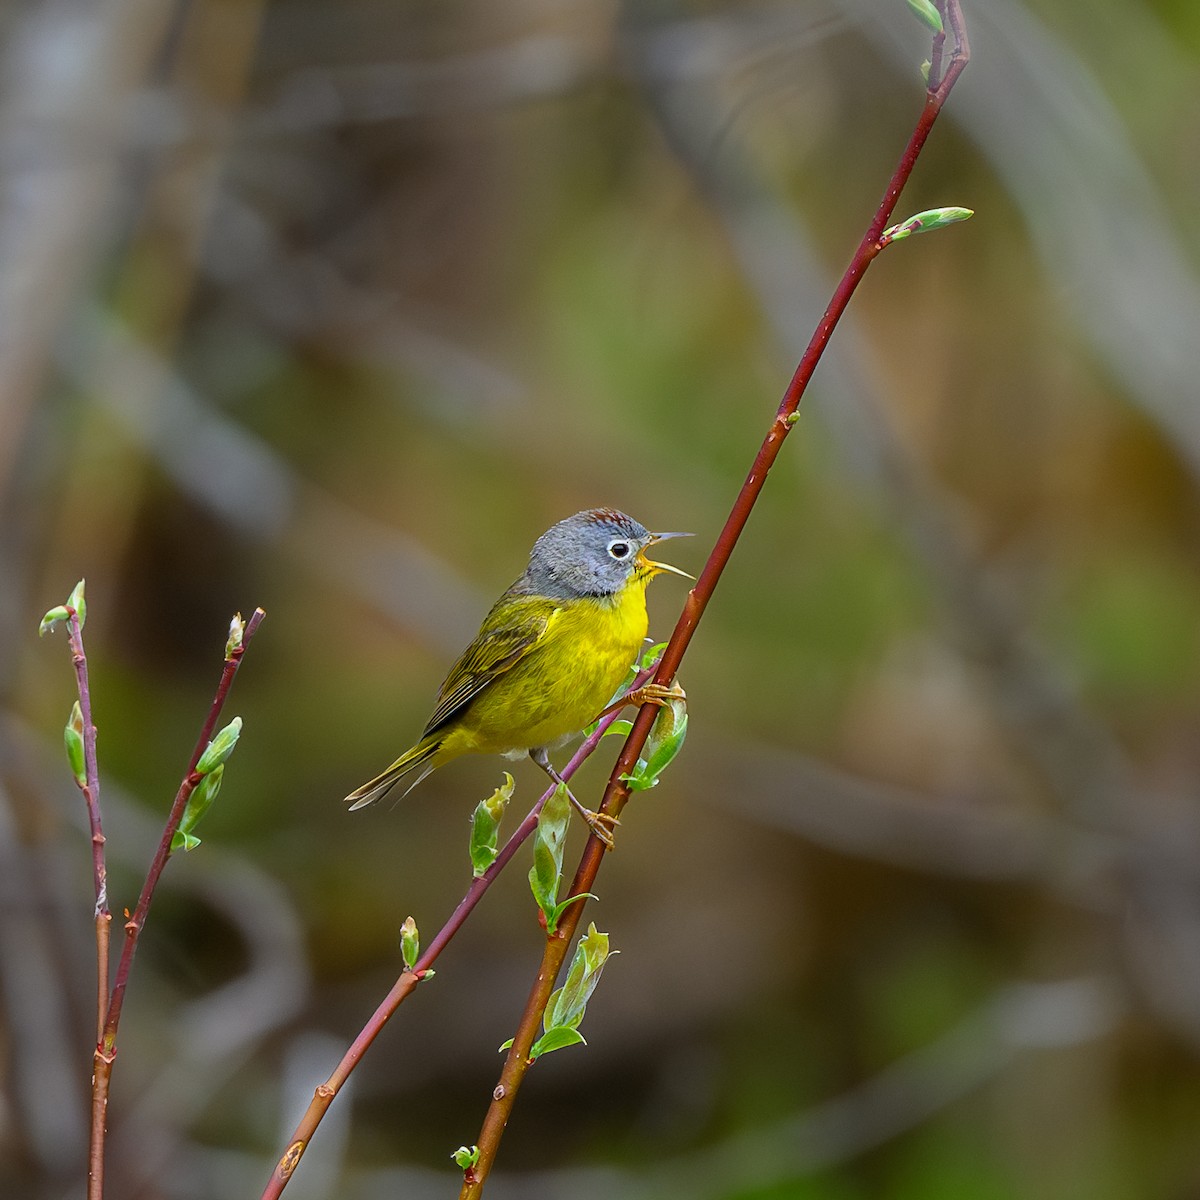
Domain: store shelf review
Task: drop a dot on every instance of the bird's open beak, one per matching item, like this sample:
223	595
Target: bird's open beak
657	566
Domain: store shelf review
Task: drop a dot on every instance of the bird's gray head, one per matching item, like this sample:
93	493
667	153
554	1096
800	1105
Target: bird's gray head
592	553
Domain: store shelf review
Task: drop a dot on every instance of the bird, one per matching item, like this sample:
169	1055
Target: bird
549	656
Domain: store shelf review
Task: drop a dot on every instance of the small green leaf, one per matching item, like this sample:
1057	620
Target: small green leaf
667	736
650	657
567	1005
410	943
466	1156
924	222
548	843
73	741
544	875
926	12
485	826
555	1039
559	909
220	748
926	67
77	601
620	728
497	802
666	739
199	802
52	618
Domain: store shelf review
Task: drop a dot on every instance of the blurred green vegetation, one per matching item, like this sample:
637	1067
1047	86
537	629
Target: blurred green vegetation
349	303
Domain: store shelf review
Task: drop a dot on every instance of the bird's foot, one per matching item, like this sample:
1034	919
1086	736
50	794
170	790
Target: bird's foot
648	693
655	693
602	824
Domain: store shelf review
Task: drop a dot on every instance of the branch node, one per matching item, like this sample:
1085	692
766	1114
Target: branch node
290	1160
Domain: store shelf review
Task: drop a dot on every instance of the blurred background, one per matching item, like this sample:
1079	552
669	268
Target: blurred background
333	307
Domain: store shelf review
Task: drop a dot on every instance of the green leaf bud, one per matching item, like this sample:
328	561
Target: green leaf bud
52	618
183	841
926	12
410	943
77	601
73	741
559	909
466	1156
620	728
199	802
220	748
497	802
924	222
556	1039
485	826
548	844
567	1005
666	739
667	735
651	656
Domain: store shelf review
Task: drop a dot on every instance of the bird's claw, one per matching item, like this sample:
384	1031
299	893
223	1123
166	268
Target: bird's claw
655	693
648	693
602	825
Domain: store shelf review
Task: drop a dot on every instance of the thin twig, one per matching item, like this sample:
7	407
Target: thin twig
106	1045
324	1095
90	787
617	791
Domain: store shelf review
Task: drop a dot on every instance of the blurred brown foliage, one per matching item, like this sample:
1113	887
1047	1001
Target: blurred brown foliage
333	308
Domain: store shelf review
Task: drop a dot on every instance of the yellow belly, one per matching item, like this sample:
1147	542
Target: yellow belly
561	684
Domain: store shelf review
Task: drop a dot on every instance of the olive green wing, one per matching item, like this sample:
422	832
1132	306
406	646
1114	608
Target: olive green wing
510	631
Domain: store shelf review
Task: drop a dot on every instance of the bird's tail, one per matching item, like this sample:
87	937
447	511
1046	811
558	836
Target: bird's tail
419	756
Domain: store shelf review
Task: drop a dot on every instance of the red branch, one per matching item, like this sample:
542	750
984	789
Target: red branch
617	791
324	1095
106	1043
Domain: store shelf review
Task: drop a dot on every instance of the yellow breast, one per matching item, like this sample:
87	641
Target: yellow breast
563	682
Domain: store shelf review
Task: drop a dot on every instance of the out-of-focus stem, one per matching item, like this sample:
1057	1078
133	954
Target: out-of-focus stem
103	917
106	1043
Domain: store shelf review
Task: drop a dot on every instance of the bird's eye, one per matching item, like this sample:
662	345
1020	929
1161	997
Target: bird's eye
619	548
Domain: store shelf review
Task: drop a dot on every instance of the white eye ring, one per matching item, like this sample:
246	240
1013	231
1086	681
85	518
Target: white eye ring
619	548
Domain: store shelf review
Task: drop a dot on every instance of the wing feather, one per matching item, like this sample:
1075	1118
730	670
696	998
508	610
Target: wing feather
515	630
